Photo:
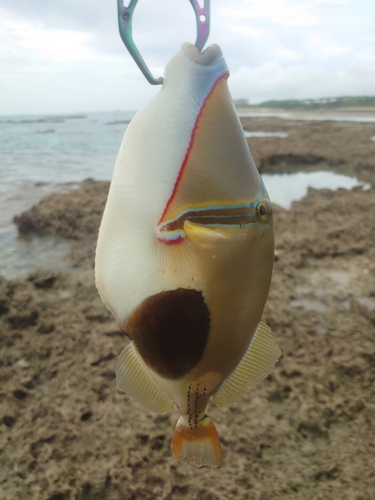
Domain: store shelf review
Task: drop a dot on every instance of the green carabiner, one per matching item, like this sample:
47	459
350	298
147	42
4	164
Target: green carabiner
125	16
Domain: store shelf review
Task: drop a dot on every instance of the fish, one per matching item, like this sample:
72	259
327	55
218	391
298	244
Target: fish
185	254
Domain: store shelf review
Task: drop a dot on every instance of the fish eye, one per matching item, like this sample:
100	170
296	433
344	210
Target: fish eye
264	209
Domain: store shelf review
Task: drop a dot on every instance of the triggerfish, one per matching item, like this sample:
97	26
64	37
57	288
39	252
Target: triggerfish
185	254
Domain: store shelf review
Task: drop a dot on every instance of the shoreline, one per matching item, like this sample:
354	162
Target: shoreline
343	148
334	112
70	434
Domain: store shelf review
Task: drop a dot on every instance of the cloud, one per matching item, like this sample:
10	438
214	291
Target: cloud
248	30
330	2
287	54
271	81
332	49
67	56
57	45
281	12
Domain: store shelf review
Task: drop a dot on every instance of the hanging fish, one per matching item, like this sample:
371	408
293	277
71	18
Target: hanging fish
185	254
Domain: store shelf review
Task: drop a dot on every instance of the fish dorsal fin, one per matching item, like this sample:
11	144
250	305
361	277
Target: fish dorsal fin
258	361
133	377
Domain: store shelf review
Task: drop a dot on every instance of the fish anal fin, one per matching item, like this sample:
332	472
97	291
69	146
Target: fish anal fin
258	361
133	377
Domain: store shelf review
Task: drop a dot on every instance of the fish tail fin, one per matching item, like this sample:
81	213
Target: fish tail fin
200	444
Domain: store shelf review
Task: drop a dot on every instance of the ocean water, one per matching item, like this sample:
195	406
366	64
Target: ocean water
284	189
44	154
262	133
57	149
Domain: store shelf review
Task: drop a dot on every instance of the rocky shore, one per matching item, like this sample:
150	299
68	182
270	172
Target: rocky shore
305	433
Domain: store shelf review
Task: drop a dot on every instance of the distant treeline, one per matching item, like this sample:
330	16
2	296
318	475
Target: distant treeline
329	102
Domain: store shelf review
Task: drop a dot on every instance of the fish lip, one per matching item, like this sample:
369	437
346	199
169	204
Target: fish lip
205	58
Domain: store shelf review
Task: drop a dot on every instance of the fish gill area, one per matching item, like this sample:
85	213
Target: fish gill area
306	432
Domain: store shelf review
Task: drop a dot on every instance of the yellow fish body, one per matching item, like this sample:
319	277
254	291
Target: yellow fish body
185	253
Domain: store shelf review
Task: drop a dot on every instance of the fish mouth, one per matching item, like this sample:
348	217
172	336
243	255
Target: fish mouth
205	58
213	215
258	212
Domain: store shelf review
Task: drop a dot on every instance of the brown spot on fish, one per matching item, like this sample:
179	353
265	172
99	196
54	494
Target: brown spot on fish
170	330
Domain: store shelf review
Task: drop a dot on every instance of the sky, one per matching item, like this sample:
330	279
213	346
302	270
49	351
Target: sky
67	56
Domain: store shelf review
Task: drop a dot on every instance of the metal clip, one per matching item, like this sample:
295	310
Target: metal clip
202	15
125	16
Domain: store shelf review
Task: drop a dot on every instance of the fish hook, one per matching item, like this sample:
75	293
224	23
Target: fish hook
125	16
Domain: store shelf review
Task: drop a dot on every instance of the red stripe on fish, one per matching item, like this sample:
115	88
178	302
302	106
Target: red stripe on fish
224	76
170	241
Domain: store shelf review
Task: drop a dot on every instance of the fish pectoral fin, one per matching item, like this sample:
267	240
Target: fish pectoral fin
133	377
258	361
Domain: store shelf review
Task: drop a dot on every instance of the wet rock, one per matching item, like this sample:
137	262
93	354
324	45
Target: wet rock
305	432
4	299
22	319
45	328
20	394
9	420
86	416
42	278
74	215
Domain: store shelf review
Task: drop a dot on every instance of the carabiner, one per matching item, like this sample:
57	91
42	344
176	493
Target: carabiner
125	16
202	15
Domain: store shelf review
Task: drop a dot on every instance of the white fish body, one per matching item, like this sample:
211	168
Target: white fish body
185	253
